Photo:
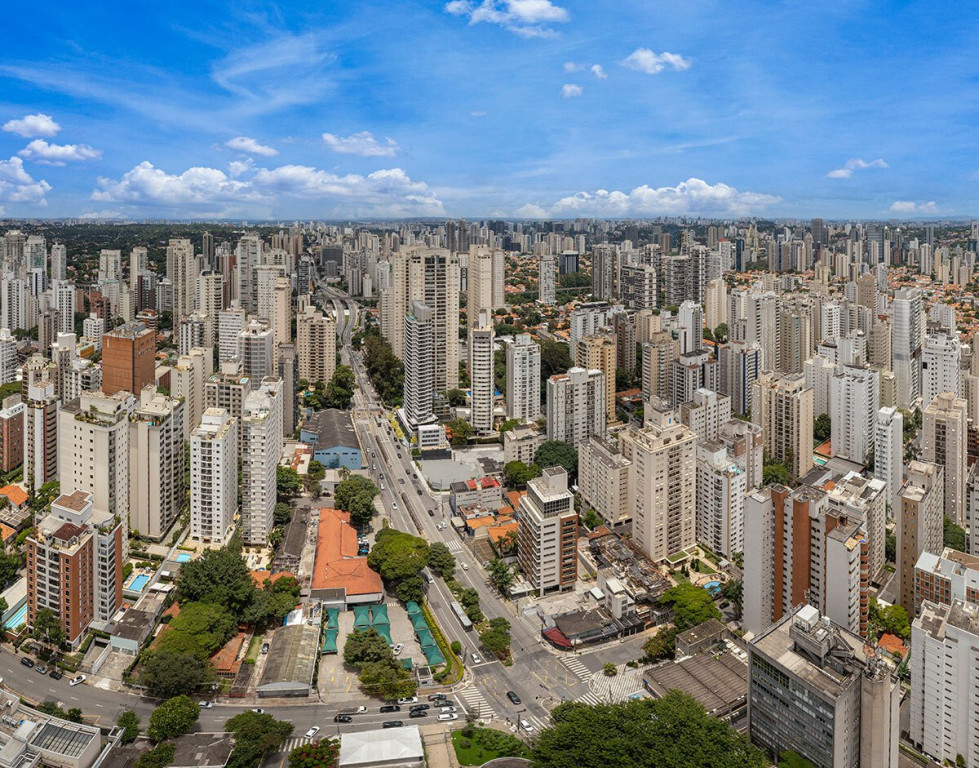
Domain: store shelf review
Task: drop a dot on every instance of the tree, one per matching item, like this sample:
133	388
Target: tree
256	737
159	757
890	548
733	590
720	333
410	588
219	576
167	674
623	380
460	431
365	646
662	645
340	391
282	514
314	475
790	759
675	729
455	397
441	560
288	483
822	428
496	638
200	628
775	472
319	754
173	718
892	619
274	601
609	669
554	453
554	358
397	555
501	575
129	722
516	474
953	535
692	605
355	495
388	680
10	565
47	627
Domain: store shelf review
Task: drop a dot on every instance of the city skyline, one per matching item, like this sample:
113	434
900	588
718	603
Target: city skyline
492	109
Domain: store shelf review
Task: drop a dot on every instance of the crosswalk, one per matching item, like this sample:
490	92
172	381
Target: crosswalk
473	702
296	741
589	698
538	723
454	545
577	667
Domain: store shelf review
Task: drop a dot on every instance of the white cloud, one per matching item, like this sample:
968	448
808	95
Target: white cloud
855	164
571	91
58	154
18	186
530	211
96	215
249	145
237	167
644	60
478	113
388	192
693	196
30	126
362	143
527	18
570	66
908	207
599	71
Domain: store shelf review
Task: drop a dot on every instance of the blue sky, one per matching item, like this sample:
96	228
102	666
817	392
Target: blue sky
484	108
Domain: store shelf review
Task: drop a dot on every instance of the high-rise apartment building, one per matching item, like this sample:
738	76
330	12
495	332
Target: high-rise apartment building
12	415
706	413
861	498
907	336
716	303
721	488
813	690
944	441
637	286
187	380
782	406
693	371
419	361
214	476
183	267
941	366
128	359
739	363
156	463
658	356
40	432
523	378
944	708
548	533
603	480
210	302
485	280
576	405
228	388
316	345
231	322
662	484
919	525
261	448
942	578
854	393
889	454
74	565
256	350
547	281
481	373
598	352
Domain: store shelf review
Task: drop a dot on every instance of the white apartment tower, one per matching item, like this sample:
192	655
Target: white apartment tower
156	463
547	281
261	448
182	268
907	335
316	345
481	371
419	361
214	477
944	441
575	405
231	322
721	488
523	378
484	286
889	454
854	403
256	350
941	366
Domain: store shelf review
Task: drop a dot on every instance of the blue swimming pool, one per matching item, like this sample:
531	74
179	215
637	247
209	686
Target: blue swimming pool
713	587
182	557
137	584
18	619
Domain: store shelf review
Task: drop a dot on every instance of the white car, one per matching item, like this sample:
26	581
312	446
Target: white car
312	731
77	680
394	505
256	710
525	724
465	566
447	710
448	717
205	704
477	659
398	649
408	700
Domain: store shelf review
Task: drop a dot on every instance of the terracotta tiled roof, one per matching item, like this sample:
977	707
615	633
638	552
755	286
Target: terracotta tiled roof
337	564
16	494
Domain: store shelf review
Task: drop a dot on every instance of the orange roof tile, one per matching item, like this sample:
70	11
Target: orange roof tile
498	532
6	532
892	644
260	577
337	565
16	494
224	659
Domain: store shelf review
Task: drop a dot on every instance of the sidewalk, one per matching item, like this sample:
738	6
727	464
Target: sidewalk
438	747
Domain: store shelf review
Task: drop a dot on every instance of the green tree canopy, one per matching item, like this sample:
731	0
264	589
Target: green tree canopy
256	737
288	483
397	555
356	496
461	430
283	513
496	637
662	645
501	575
953	535
554	358
387	680
776	472
692	605
129	722
441	560
340	391
671	732
822	428
200	628
219	576
319	754
555	453
516	474
167	674
159	757
891	618
365	646
173	718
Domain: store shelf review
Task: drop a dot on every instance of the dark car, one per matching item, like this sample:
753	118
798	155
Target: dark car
419	491
419	707
418	713
26	661
343	719
390	708
392	724
431	513
55	674
513	697
437	697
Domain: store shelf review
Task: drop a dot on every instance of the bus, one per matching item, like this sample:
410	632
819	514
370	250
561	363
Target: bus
461	615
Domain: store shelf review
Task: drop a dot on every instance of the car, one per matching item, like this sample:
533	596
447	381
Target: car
448	717
55	674
41	669
477	659
414	475
437	697
525	724
343	719
77	680
392	724
418	713
419	707
419	491
398	649
447	710
373	455
358	711
256	710
431	513
312	731
465	566
205	704
265	648
26	661
394	505
408	700
513	697
389	708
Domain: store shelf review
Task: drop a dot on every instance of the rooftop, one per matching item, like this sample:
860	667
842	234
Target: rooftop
332	428
718	683
337	564
391	746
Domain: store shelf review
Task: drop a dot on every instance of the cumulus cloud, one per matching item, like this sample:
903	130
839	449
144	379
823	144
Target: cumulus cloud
58	154
855	164
103	215
30	126
910	207
18	186
571	91
250	146
599	71
527	18
389	192
530	211
237	167
362	143
644	60
570	66
693	196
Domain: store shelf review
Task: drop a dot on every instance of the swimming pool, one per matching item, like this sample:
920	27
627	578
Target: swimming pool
713	587
137	584
182	557
19	619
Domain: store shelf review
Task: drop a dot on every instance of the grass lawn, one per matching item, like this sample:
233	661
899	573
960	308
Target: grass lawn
486	744
254	647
